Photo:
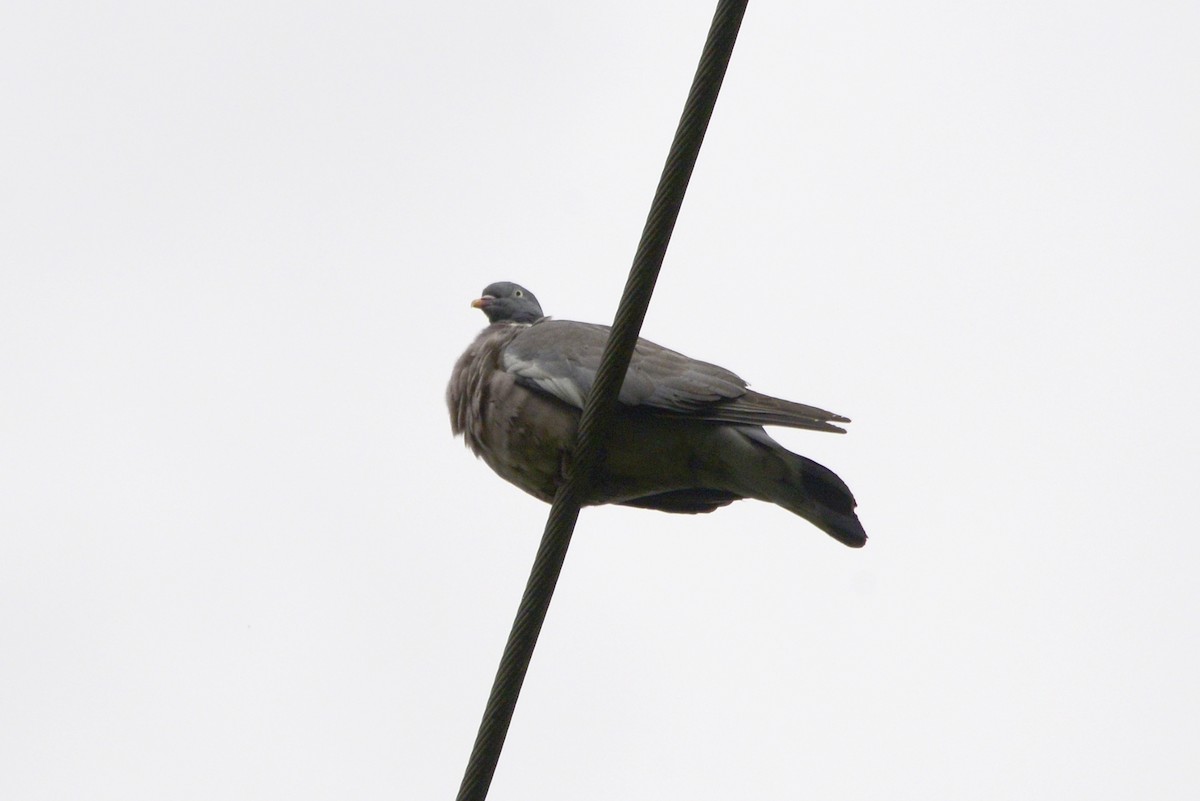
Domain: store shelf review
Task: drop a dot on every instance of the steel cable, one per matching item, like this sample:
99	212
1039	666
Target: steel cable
601	402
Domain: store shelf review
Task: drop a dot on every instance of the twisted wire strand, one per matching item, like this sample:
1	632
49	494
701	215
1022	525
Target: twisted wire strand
601	402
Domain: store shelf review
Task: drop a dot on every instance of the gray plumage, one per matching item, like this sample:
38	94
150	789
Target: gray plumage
689	437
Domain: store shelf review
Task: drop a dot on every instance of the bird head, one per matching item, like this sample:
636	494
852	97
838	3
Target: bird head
506	302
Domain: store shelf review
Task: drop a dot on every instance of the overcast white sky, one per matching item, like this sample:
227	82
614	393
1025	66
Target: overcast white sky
242	557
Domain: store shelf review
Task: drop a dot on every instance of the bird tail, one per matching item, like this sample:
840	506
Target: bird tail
815	493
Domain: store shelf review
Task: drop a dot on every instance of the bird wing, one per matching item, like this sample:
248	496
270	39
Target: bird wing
561	358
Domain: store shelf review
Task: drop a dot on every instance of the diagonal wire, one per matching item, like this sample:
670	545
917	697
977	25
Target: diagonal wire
601	401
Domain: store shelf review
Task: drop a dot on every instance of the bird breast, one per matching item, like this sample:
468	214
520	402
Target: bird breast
522	434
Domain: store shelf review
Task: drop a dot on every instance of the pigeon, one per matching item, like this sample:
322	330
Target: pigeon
688	435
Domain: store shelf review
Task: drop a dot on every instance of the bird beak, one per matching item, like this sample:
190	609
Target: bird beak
482	303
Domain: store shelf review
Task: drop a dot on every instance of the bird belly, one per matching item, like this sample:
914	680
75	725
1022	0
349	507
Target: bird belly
650	454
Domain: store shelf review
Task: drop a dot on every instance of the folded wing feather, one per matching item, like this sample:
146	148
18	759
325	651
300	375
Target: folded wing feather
561	358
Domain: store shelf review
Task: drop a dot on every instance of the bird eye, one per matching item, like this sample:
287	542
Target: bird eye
518	294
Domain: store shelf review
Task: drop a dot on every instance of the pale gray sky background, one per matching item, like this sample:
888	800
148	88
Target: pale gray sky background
242	557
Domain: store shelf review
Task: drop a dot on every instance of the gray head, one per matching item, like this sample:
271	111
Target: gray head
506	302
